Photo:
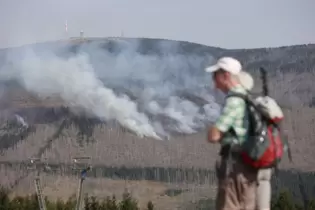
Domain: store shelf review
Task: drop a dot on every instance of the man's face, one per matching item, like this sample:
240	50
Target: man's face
220	79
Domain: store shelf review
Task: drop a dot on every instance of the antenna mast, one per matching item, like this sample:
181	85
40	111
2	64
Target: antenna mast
66	29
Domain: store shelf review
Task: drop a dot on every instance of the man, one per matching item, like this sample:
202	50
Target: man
236	182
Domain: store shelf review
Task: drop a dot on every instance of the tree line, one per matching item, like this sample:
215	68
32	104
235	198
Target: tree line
285	200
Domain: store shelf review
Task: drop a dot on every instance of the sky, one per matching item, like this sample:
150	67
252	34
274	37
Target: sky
221	23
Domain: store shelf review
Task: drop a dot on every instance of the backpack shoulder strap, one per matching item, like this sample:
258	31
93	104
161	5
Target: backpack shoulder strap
235	94
240	95
249	101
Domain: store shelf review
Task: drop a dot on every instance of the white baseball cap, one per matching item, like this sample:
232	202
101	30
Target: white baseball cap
234	67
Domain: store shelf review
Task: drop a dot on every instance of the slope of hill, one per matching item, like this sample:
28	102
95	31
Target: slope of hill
89	97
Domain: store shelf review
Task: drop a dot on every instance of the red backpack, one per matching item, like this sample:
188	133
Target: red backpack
265	144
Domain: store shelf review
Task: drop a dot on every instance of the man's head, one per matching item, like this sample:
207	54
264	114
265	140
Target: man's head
227	73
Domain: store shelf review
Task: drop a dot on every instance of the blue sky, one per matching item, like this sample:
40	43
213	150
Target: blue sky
224	23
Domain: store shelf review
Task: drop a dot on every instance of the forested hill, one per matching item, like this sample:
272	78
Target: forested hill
289	58
296	62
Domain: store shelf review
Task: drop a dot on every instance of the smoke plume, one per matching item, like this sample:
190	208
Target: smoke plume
151	94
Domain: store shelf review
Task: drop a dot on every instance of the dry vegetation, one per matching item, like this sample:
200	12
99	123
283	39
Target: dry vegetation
112	146
63	187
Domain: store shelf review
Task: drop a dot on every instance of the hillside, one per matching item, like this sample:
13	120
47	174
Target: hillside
289	64
89	97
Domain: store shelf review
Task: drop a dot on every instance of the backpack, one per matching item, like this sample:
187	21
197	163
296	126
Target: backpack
265	144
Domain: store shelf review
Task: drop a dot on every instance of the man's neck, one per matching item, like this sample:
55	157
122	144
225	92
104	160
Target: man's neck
233	86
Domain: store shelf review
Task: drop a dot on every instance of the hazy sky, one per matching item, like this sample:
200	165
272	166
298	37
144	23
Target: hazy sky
223	23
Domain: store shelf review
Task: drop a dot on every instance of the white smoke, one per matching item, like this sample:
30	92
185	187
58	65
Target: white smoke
87	80
21	120
75	81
